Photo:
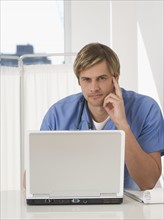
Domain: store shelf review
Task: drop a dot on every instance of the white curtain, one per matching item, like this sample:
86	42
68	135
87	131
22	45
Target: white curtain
43	85
10	128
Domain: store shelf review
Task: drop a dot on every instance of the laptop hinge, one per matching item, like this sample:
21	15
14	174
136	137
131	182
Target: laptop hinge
41	195
109	195
75	194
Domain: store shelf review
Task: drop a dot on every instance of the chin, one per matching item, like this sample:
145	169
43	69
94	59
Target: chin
96	103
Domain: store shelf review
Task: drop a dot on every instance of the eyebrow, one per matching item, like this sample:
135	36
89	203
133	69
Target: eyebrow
87	77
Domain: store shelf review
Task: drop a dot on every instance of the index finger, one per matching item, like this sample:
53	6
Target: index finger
117	88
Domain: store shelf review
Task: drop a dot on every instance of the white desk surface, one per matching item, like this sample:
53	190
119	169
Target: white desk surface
13	206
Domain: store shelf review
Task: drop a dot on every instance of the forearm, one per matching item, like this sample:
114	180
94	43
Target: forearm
144	168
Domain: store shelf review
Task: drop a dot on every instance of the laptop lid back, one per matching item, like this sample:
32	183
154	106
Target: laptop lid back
75	164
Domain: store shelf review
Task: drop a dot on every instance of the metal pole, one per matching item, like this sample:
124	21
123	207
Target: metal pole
21	69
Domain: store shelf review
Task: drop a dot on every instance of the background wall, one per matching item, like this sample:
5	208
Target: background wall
134	29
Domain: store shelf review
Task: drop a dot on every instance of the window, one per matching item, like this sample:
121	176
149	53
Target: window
34	25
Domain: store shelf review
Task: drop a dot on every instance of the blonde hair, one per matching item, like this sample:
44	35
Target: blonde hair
94	53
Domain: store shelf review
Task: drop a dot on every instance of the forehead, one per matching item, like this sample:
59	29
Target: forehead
96	70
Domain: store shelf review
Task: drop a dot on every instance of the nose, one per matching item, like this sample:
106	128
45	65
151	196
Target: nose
94	86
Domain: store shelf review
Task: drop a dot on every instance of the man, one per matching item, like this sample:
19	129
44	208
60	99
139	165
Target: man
104	105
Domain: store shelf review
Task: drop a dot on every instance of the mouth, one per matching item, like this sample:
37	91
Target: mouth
95	96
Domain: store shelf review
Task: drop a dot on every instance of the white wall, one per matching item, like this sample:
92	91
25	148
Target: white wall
138	38
124	41
89	22
151	25
134	29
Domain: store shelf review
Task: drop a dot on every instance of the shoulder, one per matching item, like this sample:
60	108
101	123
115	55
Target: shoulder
59	114
146	120
141	109
66	104
71	99
135	99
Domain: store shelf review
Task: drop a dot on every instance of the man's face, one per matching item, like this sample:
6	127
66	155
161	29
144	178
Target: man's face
96	84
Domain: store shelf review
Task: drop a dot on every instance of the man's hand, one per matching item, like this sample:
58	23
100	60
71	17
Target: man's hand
114	106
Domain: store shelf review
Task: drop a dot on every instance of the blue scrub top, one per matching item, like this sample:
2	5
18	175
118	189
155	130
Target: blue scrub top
143	115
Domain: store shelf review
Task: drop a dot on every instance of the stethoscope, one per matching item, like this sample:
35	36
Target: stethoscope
90	122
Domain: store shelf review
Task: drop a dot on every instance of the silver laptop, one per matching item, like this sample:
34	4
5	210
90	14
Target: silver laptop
74	167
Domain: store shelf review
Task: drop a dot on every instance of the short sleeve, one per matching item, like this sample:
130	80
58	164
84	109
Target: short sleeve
151	137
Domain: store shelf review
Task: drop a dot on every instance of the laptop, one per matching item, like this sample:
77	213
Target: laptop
74	167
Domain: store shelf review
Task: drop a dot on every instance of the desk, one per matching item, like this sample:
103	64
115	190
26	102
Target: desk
13	206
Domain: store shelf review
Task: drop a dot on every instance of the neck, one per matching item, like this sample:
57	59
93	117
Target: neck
98	113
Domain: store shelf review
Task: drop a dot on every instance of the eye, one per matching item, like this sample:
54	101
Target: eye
102	78
85	79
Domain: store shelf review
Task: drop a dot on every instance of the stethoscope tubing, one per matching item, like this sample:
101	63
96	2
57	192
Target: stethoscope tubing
90	122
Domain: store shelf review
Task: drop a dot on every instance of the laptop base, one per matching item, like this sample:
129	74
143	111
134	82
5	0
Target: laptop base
74	201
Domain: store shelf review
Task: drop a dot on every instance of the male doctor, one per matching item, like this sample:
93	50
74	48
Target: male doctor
104	105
